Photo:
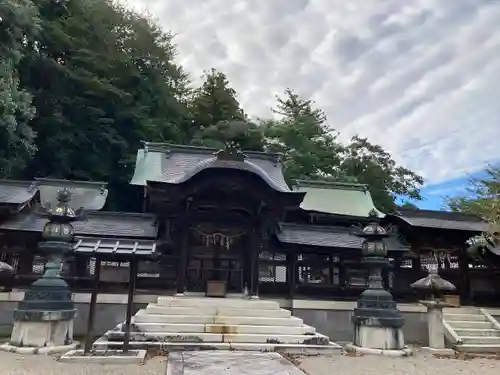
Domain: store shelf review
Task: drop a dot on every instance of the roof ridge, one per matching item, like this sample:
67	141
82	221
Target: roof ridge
145	215
172	147
331	184
315	227
56	181
5	181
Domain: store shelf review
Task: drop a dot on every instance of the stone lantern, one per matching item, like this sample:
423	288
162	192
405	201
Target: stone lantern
377	321
434	286
43	321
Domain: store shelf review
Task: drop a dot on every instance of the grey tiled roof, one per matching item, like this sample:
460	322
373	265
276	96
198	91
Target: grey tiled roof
175	164
113	246
109	224
16	192
443	220
89	195
327	236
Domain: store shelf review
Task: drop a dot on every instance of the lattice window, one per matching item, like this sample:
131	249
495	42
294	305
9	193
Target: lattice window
273	273
318	269
38	264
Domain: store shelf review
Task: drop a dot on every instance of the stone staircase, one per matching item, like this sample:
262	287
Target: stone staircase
190	323
472	330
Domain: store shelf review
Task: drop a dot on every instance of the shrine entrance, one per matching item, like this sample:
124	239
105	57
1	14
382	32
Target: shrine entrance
217	255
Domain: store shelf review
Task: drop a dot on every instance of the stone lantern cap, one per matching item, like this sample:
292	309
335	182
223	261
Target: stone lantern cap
433	282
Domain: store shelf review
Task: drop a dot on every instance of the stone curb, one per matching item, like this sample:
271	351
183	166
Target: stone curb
134	357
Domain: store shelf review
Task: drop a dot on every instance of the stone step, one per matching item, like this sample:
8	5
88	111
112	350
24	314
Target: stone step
225	329
213	310
465	317
475	332
234	303
478	348
215	319
316	339
330	349
483	340
461	310
458	324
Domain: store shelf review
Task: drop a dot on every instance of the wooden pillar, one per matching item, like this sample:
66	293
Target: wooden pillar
130	302
93	301
464	287
254	260
183	259
292	273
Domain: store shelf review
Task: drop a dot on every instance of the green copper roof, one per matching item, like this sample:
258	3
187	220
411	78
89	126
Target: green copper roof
339	198
175	164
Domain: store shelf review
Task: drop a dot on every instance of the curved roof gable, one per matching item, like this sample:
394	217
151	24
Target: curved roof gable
174	164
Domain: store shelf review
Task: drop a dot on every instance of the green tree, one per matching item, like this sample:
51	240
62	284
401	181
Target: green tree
311	151
218	117
370	164
408	205
301	134
482	199
103	78
19	24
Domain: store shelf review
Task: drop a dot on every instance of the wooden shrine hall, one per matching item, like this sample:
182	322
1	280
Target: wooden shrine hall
225	221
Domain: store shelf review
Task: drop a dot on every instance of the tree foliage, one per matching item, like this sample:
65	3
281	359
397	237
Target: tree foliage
311	150
103	79
482	198
370	164
301	134
218	118
19	25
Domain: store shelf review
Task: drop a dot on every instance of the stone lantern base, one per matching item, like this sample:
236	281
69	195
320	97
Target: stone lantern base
42	332
378	325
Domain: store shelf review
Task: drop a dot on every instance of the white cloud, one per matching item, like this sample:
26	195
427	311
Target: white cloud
419	77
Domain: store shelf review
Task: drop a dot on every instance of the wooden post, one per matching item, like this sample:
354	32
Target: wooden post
464	287
292	273
92	306
182	269
130	302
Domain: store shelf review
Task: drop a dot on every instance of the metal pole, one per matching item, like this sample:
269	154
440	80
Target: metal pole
93	303
130	303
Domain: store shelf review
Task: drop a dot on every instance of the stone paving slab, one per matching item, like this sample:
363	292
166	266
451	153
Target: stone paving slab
229	363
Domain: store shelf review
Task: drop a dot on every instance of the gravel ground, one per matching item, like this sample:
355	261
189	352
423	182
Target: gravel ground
421	364
15	364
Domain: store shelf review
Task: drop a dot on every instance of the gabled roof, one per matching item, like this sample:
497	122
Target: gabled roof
338	198
104	223
175	164
328	236
442	220
17	192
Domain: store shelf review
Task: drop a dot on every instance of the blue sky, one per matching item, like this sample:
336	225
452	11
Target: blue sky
434	194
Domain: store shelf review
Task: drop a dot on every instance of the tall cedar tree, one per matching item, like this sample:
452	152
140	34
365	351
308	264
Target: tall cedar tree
218	117
103	80
19	25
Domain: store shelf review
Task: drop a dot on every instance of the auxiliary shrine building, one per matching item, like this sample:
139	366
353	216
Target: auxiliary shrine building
224	222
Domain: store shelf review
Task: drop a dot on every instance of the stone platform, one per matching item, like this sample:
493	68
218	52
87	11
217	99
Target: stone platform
186	323
229	363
